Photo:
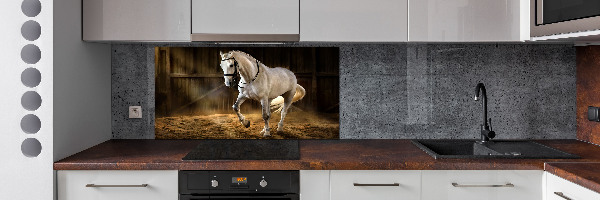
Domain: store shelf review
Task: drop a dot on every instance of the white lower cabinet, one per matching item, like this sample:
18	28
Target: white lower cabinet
375	185
117	185
340	185
561	189
482	184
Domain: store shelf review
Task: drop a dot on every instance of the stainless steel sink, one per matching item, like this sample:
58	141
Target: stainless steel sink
491	149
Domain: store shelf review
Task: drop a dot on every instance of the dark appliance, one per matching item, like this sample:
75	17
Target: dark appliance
554	11
555	17
245	150
234	185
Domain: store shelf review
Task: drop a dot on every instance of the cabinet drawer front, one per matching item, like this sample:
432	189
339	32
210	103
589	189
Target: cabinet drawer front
117	185
380	185
555	184
314	185
482	184
246	17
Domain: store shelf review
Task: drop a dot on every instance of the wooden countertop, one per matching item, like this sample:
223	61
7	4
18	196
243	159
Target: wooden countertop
314	155
332	155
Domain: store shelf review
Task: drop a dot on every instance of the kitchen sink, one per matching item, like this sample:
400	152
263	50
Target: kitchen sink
491	149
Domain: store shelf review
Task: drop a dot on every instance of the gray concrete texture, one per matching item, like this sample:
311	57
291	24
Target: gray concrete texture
406	91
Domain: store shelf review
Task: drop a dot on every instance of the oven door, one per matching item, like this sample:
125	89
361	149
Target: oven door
236	197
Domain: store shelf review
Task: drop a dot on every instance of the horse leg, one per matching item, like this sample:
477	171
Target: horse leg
288	97
236	107
266	114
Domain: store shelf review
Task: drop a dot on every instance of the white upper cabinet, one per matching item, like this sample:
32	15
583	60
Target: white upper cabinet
354	20
468	20
136	20
307	20
245	20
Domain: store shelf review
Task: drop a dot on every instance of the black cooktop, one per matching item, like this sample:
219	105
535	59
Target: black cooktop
245	150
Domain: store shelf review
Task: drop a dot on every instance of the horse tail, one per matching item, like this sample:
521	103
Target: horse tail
278	102
300	93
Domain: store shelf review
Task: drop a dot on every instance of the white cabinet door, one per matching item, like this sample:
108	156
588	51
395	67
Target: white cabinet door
354	20
375	185
468	20
117	185
561	189
482	184
136	20
243	20
314	184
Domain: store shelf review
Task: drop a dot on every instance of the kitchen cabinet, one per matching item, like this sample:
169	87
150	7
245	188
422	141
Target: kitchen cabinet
377	184
482	184
354	20
314	184
243	20
560	189
117	184
468	20
137	20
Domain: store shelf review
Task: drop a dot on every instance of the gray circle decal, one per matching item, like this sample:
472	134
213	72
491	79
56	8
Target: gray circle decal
31	54
31	100
31	124
31	30
31	77
31	8
31	147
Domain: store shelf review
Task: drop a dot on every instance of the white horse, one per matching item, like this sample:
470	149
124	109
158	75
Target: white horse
272	87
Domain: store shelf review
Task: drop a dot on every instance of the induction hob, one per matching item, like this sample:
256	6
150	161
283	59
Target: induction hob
245	150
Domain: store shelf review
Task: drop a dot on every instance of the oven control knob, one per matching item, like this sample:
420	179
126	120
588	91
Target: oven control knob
263	183
214	183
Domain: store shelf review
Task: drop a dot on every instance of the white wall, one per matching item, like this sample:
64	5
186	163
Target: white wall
82	84
24	177
75	92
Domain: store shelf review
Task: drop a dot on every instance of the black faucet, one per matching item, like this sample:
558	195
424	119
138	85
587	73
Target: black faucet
486	130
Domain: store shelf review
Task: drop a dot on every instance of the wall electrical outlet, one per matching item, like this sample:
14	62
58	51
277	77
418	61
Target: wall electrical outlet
135	112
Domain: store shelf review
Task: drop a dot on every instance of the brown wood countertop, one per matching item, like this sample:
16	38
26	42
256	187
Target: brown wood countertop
581	173
374	154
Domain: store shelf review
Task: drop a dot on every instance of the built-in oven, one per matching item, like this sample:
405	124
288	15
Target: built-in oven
234	185
553	17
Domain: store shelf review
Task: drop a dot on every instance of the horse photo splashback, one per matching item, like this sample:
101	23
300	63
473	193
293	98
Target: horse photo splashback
247	93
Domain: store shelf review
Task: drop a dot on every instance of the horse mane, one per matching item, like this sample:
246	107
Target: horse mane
247	56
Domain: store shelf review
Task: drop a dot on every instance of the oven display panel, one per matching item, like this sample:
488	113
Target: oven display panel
239	180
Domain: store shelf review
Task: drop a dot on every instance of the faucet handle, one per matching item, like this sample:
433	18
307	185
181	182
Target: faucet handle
491	124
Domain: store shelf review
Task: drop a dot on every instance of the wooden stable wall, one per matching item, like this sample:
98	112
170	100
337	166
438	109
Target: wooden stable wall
189	80
588	92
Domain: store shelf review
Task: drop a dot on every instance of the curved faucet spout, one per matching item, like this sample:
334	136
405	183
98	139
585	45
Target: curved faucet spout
486	133
481	87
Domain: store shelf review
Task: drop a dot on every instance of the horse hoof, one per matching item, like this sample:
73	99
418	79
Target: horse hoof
279	129
265	133
246	123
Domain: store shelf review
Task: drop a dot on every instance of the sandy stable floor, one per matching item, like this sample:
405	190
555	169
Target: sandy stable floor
297	125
